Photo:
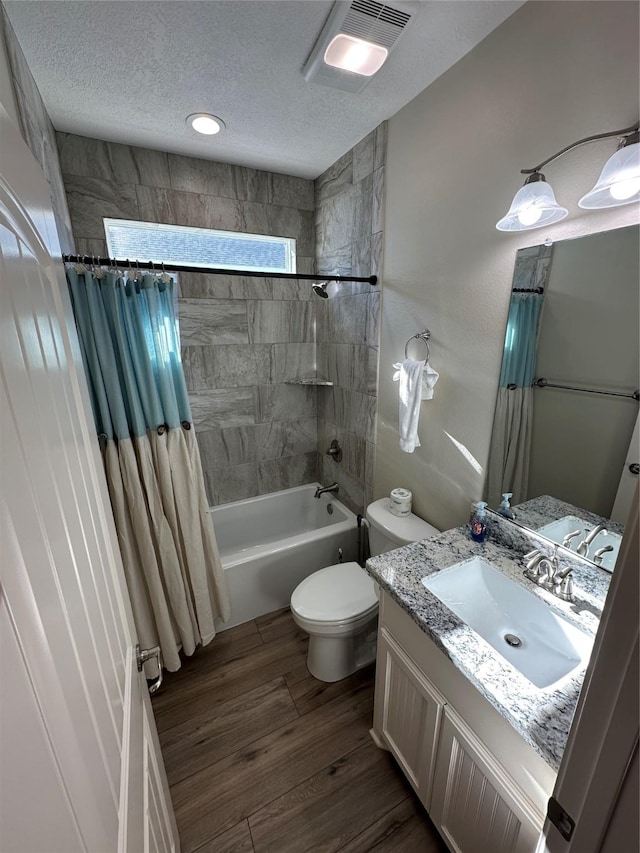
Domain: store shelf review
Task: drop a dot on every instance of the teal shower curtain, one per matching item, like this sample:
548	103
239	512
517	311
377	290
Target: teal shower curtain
509	455
130	344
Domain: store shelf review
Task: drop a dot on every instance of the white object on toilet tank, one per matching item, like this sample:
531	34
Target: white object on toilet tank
388	531
400	502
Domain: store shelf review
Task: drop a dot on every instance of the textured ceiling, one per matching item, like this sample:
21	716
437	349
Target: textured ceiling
132	71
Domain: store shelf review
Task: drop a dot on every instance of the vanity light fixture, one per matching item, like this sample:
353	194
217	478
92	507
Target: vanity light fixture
205	123
534	205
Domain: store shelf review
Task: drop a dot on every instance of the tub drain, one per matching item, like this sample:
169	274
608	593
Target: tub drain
512	640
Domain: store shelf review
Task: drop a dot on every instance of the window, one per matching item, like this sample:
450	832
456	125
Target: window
198	247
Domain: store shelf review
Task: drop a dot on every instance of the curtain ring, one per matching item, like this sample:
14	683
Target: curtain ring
162	429
511	386
103	440
186	425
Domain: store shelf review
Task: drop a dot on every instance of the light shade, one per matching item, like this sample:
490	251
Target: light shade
619	181
533	206
205	123
356	55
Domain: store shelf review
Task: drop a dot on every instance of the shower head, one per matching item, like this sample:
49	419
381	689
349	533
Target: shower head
321	289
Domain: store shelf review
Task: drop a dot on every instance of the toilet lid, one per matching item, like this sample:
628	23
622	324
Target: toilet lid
334	594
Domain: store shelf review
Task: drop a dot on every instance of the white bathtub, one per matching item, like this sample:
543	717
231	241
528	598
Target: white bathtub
270	543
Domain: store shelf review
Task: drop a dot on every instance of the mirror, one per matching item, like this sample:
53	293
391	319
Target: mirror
567	403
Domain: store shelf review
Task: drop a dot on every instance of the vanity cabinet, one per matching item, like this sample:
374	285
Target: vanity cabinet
410	710
475	804
484	787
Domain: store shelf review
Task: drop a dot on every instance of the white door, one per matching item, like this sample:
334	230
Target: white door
80	765
628	479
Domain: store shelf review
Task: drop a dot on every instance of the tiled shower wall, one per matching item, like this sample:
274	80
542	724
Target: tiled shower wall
349	230
242	338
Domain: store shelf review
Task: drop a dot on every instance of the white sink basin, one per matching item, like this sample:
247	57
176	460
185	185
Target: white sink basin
547	649
557	530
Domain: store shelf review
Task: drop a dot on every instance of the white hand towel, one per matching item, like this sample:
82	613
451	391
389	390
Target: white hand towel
409	374
429	379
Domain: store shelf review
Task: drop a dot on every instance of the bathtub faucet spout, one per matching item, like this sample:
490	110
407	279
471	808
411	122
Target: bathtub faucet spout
320	491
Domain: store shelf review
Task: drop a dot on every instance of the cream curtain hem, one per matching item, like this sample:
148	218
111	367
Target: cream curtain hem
173	569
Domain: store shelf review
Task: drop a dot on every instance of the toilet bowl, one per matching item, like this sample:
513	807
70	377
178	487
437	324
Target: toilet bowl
338	605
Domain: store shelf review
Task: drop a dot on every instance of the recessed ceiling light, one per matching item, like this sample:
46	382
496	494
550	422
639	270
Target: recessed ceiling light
354	54
205	123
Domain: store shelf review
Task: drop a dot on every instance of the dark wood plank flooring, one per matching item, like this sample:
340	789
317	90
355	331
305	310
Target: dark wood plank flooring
262	758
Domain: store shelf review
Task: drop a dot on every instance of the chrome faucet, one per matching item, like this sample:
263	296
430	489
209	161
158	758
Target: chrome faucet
544	572
320	491
541	569
583	547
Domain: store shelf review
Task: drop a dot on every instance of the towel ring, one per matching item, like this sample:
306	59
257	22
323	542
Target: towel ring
421	336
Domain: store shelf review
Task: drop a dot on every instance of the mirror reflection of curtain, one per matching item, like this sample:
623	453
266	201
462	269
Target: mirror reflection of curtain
130	345
508	466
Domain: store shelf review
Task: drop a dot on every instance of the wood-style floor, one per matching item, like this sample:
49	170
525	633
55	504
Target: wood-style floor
262	757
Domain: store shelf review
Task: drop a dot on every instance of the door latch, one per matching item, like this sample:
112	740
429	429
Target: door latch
561	819
144	655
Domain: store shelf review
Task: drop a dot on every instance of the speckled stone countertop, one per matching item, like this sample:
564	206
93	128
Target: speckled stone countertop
540	511
542	718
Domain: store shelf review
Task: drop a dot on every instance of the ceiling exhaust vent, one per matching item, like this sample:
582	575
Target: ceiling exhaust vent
369	20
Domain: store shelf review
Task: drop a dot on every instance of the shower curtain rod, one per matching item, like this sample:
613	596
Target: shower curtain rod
160	267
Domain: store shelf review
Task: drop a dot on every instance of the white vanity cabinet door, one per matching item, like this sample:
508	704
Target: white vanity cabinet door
475	804
407	714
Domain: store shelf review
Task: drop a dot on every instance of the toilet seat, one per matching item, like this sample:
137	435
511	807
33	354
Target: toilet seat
336	596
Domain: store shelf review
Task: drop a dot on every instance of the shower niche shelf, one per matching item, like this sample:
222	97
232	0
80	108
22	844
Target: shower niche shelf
311	381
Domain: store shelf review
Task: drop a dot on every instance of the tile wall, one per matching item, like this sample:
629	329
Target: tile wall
242	338
349	230
37	130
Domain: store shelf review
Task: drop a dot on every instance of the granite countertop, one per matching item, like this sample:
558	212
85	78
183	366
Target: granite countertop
538	512
542	718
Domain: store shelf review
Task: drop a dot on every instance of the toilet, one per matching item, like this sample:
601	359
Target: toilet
338	605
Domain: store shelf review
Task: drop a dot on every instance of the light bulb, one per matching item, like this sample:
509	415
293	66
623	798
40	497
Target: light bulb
529	215
205	123
625	189
355	55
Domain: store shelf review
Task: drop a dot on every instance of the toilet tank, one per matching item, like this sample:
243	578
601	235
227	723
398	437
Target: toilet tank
388	531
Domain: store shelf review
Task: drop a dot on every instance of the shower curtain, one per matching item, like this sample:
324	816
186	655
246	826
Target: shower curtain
130	344
509	454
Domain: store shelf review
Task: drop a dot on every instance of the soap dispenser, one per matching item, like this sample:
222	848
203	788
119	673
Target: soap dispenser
505	507
478	527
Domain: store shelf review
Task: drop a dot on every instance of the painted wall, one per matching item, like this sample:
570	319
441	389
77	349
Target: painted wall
242	339
551	74
588	338
349	234
7	95
22	100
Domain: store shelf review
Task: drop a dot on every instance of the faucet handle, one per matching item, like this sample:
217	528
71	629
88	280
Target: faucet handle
335	450
564	589
567	539
597	557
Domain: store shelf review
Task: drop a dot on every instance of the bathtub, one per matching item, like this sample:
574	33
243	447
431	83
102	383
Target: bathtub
270	543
